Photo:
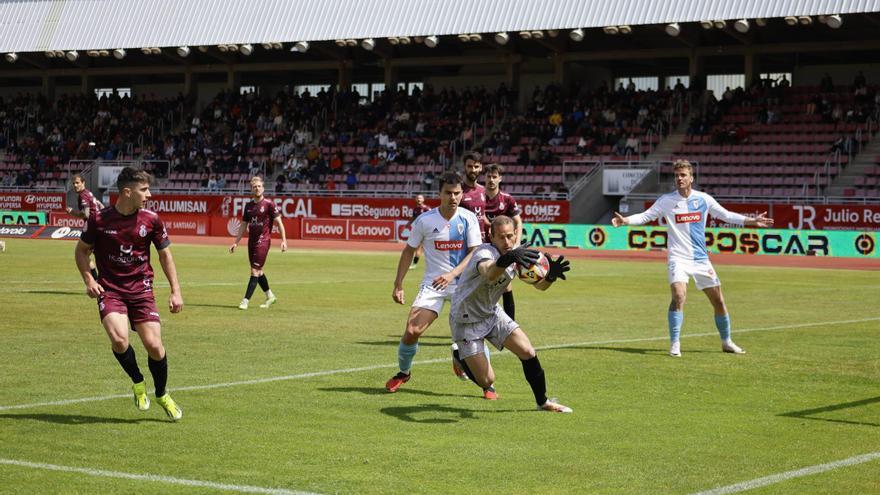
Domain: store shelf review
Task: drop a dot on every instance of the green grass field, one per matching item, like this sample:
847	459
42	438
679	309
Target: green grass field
292	399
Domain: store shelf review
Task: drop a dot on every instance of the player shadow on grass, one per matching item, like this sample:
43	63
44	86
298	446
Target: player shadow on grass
631	350
444	341
56	292
408	413
382	391
76	419
808	413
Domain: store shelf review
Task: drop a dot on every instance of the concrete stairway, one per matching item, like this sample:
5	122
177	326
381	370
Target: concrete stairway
862	162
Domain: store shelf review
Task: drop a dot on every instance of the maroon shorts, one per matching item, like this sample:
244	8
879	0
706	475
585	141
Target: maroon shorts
139	308
257	254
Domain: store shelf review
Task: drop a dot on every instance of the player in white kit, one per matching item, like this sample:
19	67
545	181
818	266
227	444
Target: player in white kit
448	235
685	211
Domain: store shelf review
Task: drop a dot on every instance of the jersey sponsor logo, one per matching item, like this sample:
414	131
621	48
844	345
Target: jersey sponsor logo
448	245
688	217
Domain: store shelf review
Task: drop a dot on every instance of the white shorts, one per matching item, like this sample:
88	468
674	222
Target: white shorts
702	271
469	336
433	299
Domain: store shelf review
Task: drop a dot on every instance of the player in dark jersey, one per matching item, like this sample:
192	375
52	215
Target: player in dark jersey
120	236
88	206
259	215
500	203
418	209
473	194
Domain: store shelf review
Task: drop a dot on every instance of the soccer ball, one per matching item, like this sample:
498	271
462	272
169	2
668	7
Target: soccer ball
536	272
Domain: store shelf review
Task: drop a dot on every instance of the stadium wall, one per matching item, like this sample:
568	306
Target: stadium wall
811	75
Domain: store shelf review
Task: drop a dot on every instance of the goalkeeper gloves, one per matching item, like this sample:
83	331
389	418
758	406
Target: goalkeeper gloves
523	256
558	267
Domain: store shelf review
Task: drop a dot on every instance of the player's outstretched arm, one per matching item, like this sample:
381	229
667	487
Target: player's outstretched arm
175	300
241	229
81	254
406	257
280	225
761	220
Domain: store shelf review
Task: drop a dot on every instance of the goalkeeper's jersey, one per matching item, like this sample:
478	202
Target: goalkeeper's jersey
686	222
475	297
445	242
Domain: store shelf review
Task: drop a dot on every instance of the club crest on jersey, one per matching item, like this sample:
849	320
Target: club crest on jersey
696	204
142	231
460	229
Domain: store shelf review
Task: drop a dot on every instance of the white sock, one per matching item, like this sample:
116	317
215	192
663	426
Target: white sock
269	294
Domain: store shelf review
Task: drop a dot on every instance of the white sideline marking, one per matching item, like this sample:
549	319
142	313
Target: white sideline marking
797	473
153	477
298	376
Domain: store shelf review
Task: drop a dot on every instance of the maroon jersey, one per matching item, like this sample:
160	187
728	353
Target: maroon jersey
259	216
418	210
122	248
501	204
474	199
87	200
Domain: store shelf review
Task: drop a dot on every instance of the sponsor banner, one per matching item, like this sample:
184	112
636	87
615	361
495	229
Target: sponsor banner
827	217
402	230
324	228
342	208
65	220
805	217
21	201
60	233
620	181
26	231
834	243
371	230
22	218
186	224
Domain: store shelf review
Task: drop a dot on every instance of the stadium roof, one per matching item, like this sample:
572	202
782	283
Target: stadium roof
43	25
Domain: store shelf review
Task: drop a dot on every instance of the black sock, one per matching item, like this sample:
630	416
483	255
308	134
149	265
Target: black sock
535	376
128	361
415	260
264	282
159	370
252	285
509	305
464	366
94	273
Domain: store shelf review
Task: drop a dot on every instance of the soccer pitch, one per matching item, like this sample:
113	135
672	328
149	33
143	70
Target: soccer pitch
291	399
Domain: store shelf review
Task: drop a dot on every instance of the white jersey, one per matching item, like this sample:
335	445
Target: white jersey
686	222
446	242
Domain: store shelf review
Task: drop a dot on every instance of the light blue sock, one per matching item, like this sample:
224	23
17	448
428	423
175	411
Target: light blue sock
405	355
675	320
722	323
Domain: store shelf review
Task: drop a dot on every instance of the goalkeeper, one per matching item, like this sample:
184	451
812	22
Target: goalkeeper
475	314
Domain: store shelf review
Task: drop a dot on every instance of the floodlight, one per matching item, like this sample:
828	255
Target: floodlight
625	29
834	21
72	55
502	38
805	20
464	38
119	53
183	51
611	30
476	37
432	41
246	49
706	24
576	34
791	20
368	44
93	53
537	35
300	46
760	21
673	29
719	24
526	35
741	25
11	57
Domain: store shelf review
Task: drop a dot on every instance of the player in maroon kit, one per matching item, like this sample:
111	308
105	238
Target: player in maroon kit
473	194
259	215
88	206
418	209
500	203
120	237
